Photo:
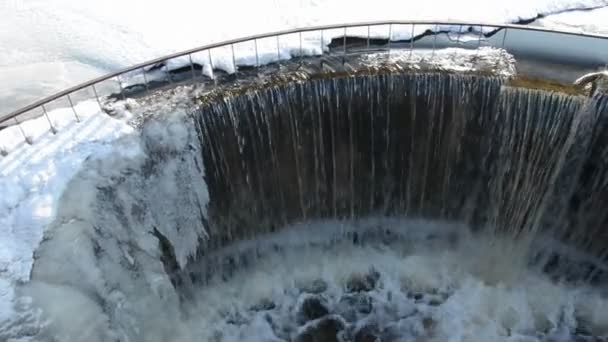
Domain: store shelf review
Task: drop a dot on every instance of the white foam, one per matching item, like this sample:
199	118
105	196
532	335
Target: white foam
480	307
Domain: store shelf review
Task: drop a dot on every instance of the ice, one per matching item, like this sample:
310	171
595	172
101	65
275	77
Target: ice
32	180
6	297
100	245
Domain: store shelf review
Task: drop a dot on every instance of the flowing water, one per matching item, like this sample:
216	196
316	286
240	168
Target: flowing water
399	206
459	148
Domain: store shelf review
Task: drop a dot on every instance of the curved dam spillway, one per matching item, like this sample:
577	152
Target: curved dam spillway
373	201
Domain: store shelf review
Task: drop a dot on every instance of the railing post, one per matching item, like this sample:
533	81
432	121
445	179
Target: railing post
436	32
143	72
25	137
344	46
458	38
322	43
368	37
478	52
73	109
322	50
233	58
97	95
301	49
168	72
504	37
257	56
46	115
390	36
278	51
412	40
122	94
211	65
192	66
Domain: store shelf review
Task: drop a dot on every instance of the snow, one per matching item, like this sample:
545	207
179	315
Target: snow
494	60
579	21
33	177
48	45
100	246
53	43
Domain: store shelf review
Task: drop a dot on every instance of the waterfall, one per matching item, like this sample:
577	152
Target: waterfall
461	148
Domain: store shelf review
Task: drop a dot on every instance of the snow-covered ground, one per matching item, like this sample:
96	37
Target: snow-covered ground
581	21
46	45
32	180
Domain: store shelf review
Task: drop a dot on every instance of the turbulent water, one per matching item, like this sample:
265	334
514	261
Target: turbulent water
402	206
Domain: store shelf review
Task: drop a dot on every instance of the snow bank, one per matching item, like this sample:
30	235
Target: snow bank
33	177
104	256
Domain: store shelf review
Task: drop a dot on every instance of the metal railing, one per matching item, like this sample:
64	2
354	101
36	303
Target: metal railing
468	27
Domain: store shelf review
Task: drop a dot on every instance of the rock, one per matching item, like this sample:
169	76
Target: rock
264	305
279	330
428	323
562	333
358	283
312	307
363	282
348	313
390	333
236	318
324	330
587	338
361	303
416	296
435	301
352	305
317	286
367	333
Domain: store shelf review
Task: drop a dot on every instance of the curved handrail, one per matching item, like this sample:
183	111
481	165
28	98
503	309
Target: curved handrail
93	82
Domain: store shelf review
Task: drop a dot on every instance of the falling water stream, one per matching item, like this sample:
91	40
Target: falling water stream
405	206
